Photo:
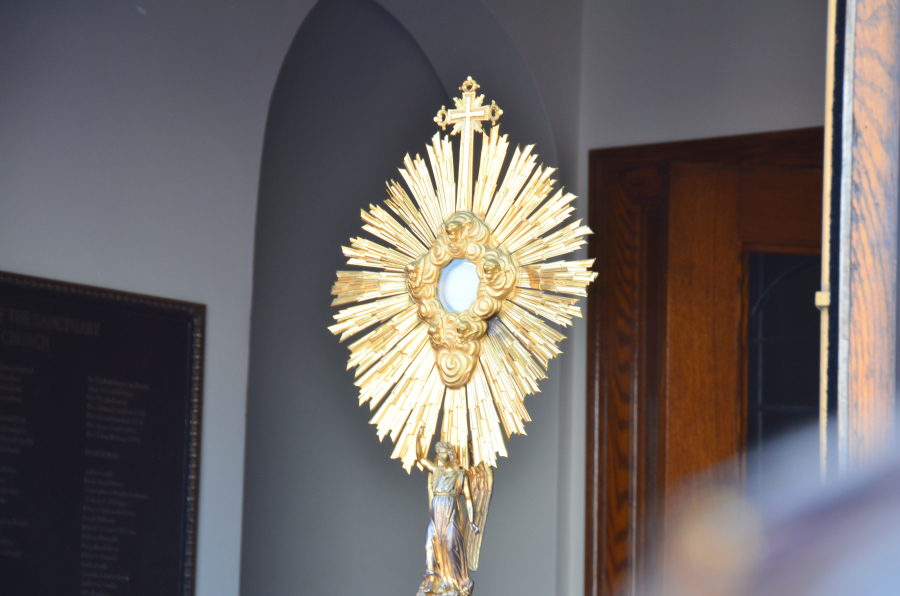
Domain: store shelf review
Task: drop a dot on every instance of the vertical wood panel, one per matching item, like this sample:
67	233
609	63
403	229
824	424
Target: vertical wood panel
872	326
615	311
703	417
647	417
598	321
621	378
621	473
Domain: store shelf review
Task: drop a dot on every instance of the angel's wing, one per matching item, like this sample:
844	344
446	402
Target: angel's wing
481	484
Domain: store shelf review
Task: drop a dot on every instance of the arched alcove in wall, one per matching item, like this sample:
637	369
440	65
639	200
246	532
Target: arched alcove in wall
325	509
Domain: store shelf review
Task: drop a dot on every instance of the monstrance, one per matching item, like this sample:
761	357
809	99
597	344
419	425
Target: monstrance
434	348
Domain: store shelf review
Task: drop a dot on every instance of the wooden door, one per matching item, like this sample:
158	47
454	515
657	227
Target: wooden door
674	225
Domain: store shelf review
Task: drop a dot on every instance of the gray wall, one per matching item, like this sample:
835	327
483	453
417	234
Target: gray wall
658	71
130	145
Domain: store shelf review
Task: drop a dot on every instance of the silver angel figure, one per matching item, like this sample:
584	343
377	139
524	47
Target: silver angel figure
458	504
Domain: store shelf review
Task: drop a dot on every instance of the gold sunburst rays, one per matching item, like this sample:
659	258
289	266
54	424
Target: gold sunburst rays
493	152
564	277
420	366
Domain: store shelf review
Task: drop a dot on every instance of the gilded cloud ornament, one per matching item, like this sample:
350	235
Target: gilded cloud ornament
457	337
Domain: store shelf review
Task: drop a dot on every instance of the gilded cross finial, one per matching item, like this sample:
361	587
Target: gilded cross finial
466	118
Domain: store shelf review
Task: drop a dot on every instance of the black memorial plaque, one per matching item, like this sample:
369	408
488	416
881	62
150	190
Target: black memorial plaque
100	397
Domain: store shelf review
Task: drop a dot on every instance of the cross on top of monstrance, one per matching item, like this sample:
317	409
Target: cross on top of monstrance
467	117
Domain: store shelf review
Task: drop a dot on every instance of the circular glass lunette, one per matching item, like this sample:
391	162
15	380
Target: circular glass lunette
458	285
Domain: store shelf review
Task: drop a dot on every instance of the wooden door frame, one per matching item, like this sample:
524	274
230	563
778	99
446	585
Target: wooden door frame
625	335
863	191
